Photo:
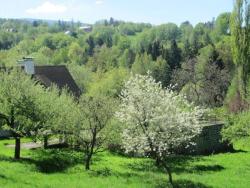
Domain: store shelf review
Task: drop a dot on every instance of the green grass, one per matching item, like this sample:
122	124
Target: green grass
64	169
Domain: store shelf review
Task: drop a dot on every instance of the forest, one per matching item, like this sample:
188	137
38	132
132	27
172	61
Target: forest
145	91
197	60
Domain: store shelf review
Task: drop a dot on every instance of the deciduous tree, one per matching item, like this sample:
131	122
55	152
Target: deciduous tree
240	29
157	121
18	95
95	113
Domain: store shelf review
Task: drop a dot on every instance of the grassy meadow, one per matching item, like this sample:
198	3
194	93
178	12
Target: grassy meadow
62	168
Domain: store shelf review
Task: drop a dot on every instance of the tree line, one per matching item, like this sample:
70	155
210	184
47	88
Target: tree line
168	51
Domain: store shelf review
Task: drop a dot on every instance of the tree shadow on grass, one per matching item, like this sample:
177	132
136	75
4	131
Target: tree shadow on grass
56	160
196	169
207	168
11	159
106	172
51	160
238	151
144	166
183	184
3	176
183	164
189	184
177	164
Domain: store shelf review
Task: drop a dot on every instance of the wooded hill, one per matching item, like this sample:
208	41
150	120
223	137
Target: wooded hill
195	60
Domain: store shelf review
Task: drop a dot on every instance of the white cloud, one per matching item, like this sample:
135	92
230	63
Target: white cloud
47	8
99	2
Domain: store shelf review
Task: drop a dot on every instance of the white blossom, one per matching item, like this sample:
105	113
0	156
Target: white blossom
156	120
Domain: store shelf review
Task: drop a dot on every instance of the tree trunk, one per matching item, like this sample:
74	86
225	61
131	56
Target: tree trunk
158	162
90	150
17	148
87	162
89	156
45	142
170	178
241	81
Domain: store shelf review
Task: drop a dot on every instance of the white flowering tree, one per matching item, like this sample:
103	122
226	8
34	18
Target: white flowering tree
157	121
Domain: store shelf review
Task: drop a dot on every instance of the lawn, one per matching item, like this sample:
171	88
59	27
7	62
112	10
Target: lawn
62	168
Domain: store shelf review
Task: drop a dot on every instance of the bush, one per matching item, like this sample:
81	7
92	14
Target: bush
113	135
237	126
56	160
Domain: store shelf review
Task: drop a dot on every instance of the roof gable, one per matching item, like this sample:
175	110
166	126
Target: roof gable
49	75
58	75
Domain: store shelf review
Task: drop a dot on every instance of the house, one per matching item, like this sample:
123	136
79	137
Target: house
67	32
11	30
51	74
86	28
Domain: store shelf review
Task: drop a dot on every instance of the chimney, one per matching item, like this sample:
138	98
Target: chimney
28	64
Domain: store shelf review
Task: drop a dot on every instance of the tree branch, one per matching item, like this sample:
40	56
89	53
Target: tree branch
4	117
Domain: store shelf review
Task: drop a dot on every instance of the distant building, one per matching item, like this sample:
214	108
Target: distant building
51	74
67	32
86	28
11	30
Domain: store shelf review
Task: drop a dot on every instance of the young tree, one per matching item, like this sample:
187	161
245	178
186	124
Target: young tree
204	80
174	55
91	44
127	58
162	72
240	29
95	113
48	112
68	116
222	23
157	121
143	63
18	95
237	127
56	115
77	54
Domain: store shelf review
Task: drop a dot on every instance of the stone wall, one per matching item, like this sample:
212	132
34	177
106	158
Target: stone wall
209	141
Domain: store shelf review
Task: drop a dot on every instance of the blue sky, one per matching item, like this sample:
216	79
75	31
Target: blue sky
89	11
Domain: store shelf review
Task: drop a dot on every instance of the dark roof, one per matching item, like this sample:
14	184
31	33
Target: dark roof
58	75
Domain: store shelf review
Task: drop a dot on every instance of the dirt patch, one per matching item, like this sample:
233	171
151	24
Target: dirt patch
29	145
32	145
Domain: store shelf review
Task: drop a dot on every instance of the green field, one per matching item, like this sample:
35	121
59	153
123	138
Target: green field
64	169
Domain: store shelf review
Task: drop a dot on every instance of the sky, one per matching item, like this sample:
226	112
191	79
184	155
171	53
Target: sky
89	11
